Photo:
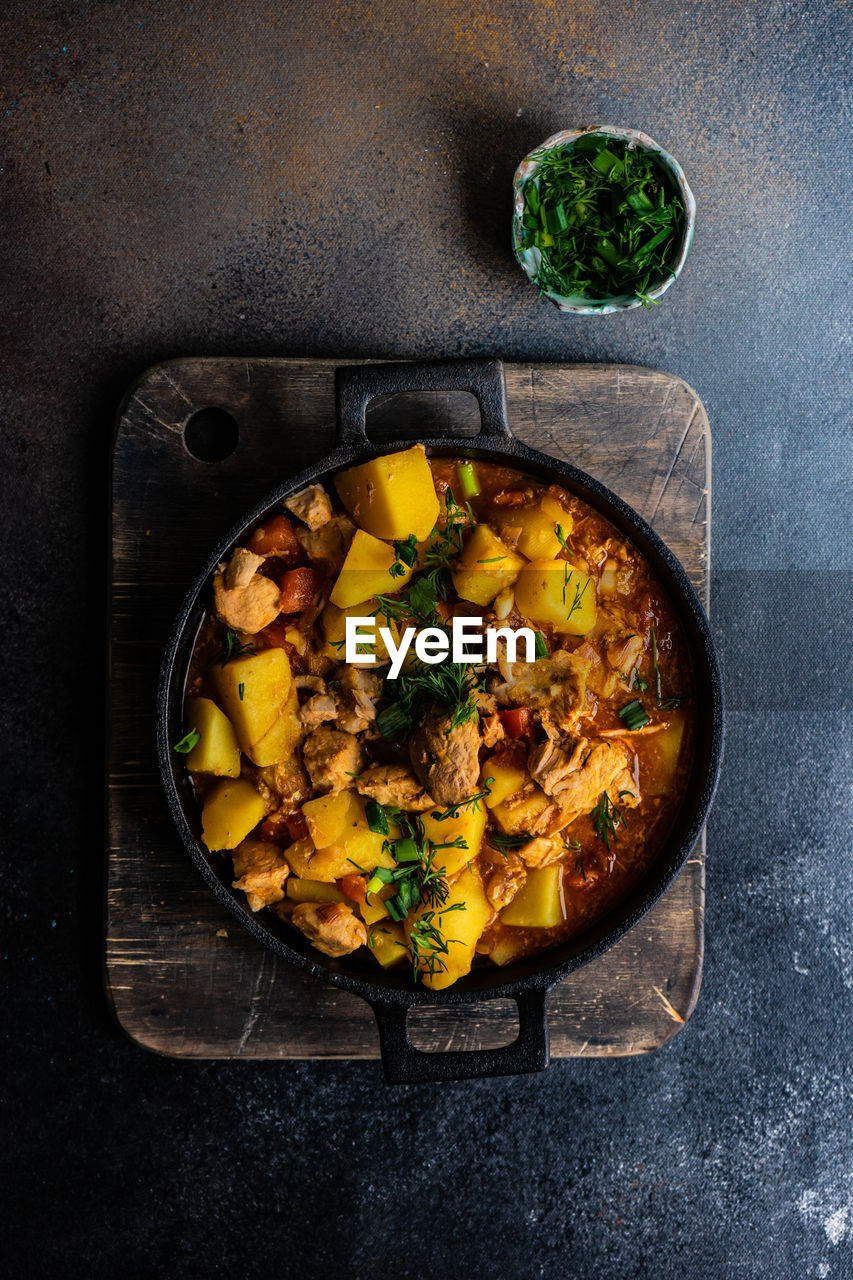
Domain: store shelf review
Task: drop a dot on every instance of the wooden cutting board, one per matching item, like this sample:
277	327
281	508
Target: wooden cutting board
182	977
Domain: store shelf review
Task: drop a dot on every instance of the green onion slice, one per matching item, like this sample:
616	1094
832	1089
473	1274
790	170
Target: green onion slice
633	715
405	851
186	744
468	479
377	818
393	721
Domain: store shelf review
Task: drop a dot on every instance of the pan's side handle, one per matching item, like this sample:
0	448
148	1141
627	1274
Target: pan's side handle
404	1064
357	385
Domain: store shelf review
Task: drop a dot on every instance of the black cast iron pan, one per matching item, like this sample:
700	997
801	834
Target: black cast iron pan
391	994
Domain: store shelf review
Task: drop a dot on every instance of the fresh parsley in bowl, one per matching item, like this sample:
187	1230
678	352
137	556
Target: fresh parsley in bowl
603	219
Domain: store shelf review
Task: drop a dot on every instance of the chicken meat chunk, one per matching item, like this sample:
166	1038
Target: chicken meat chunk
248	608
394	784
554	686
327	546
332	758
445	759
577	777
261	870
332	927
241	568
541	851
504	881
312	505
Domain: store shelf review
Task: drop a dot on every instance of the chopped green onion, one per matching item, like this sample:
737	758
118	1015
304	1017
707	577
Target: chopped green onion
608	252
531	196
186	744
385	874
396	908
645	249
407	552
377	818
607	163
468	480
634	715
374	884
639	202
393	721
541	646
405	851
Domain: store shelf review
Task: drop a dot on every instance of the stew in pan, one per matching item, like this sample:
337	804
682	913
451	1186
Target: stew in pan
444	713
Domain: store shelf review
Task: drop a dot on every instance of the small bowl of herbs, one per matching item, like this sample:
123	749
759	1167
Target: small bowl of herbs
603	219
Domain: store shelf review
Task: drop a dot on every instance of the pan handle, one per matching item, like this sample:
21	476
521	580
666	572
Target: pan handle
404	1064
356	385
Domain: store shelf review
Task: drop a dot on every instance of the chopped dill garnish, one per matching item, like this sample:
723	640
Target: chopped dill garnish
504	843
452	811
607	817
231	648
428	944
605	217
561	538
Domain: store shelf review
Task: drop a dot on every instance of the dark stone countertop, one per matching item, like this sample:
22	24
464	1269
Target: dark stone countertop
333	179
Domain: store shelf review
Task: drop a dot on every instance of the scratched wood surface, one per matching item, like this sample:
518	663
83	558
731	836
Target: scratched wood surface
182	977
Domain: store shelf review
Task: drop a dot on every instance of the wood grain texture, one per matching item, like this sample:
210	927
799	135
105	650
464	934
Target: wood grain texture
182	977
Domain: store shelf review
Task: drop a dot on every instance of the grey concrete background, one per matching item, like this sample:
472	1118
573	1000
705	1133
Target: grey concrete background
333	179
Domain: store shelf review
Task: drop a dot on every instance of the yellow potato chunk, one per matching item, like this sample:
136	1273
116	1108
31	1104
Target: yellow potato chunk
299	856
231	811
538	539
216	751
469	825
344	843
507	778
518	818
280	742
460	928
333	623
374	907
539	902
366	572
388	943
507	948
486	566
299	890
391	496
552	591
253	691
663	750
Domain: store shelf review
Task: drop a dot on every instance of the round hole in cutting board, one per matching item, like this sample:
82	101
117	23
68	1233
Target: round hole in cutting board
211	435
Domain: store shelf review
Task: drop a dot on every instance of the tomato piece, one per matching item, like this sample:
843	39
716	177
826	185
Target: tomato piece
298	588
517	721
353	887
276	537
274	827
297	827
275	637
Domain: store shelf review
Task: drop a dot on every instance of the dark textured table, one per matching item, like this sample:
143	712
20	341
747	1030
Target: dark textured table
333	180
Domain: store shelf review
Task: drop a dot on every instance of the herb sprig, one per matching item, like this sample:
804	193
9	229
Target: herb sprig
450	686
416	879
607	817
231	648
